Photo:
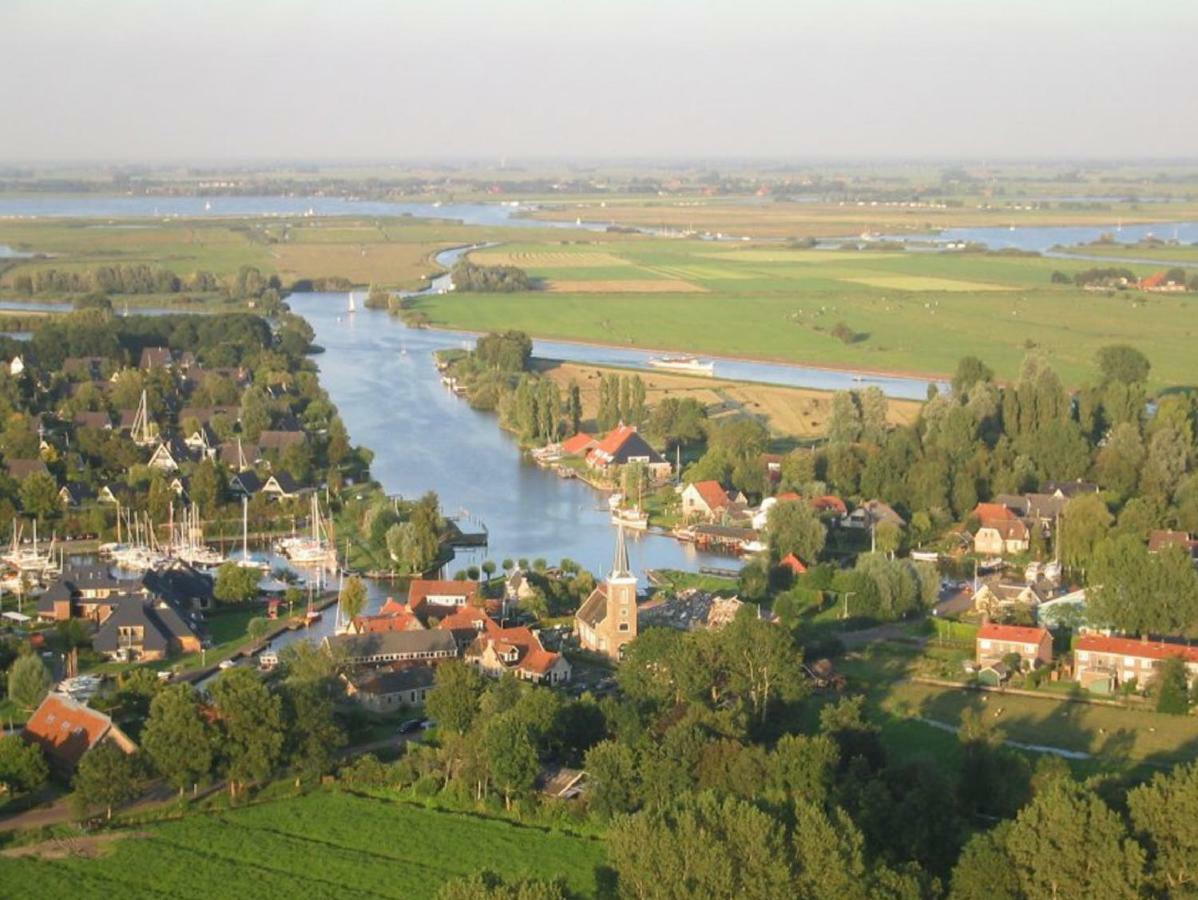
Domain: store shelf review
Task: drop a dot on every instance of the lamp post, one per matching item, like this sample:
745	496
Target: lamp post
847	594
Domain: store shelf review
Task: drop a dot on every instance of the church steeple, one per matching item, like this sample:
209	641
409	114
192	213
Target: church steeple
620	567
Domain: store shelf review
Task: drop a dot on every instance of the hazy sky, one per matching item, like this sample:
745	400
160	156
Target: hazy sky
204	79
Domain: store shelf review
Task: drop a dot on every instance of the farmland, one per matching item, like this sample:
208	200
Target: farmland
904	312
789	413
769	218
317	845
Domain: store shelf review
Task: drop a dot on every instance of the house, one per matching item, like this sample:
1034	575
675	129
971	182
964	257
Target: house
725	538
168	455
155	358
624	445
1159	282
201	441
279	441
578	445
387	691
392	617
144	630
1069	489
998	536
467	623
20	469
379	648
66	730
994	643
1103	663
82	591
281	486
517	587
1161	538
606	621
710	500
235	456
500	651
994	673
84	368
872	513
831	505
794	564
100	420
74	493
245	484
994	598
180	584
116	494
438	598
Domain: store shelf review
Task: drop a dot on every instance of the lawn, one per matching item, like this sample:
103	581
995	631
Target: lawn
904	312
322	844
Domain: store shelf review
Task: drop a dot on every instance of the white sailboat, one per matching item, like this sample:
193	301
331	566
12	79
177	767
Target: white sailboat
143	432
246	561
314	549
353	305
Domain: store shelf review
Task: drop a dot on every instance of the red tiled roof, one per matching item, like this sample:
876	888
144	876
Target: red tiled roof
788	497
1021	634
1161	538
829	503
572	446
421	588
1135	647
66	729
615	439
1157	279
401	621
392	608
712	493
992	512
793	563
467	618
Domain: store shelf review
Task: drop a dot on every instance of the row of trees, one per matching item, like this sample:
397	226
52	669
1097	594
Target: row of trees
621	399
137	278
489	279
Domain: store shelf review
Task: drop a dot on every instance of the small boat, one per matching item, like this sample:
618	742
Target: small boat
690	364
633	518
753	546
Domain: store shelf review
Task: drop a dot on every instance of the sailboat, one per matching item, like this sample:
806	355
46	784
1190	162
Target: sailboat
187	543
142	431
26	559
314	549
246	561
353	306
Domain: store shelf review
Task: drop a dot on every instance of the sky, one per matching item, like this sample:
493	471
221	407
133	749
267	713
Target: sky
393	80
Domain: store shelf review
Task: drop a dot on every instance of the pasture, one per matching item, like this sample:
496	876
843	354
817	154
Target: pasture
901	312
322	844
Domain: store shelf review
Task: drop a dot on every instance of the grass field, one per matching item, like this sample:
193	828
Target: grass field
912	312
787	412
788	219
319	845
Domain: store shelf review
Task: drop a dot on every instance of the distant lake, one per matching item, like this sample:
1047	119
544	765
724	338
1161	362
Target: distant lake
1041	238
107	206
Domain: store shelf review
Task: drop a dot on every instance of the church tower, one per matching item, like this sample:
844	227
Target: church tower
607	620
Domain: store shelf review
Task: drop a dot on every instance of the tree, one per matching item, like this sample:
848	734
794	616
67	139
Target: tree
455	696
970	371
39	495
844	419
177	737
1172	688
888	536
1118	463
762	662
29	680
1124	364
353	598
487	885
1068	843
251	726
829	853
107	776
574	407
1164	815
795	528
511	755
314	735
700	846
236	584
1085	521
984	870
614	780
22	764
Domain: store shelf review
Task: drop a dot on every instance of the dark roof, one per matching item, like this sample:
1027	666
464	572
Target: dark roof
76	492
155	357
1070	488
386	643
205	414
285	482
99	420
159	620
394	681
247	481
180	584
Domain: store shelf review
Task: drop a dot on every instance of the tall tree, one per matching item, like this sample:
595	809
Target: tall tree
251	726
511	755
1164	815
107	776
29	680
1068	843
22	764
177	737
454	699
795	528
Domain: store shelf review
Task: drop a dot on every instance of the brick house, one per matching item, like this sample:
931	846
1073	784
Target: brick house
1103	663
994	642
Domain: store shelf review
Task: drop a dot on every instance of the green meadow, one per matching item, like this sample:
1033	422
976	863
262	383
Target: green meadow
318	845
908	312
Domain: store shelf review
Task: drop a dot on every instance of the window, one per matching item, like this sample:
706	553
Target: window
985	645
623	626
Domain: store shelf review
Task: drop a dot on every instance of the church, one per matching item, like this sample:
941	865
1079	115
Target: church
607	620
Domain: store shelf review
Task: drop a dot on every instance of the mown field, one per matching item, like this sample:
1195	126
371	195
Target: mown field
320	845
904	312
396	253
